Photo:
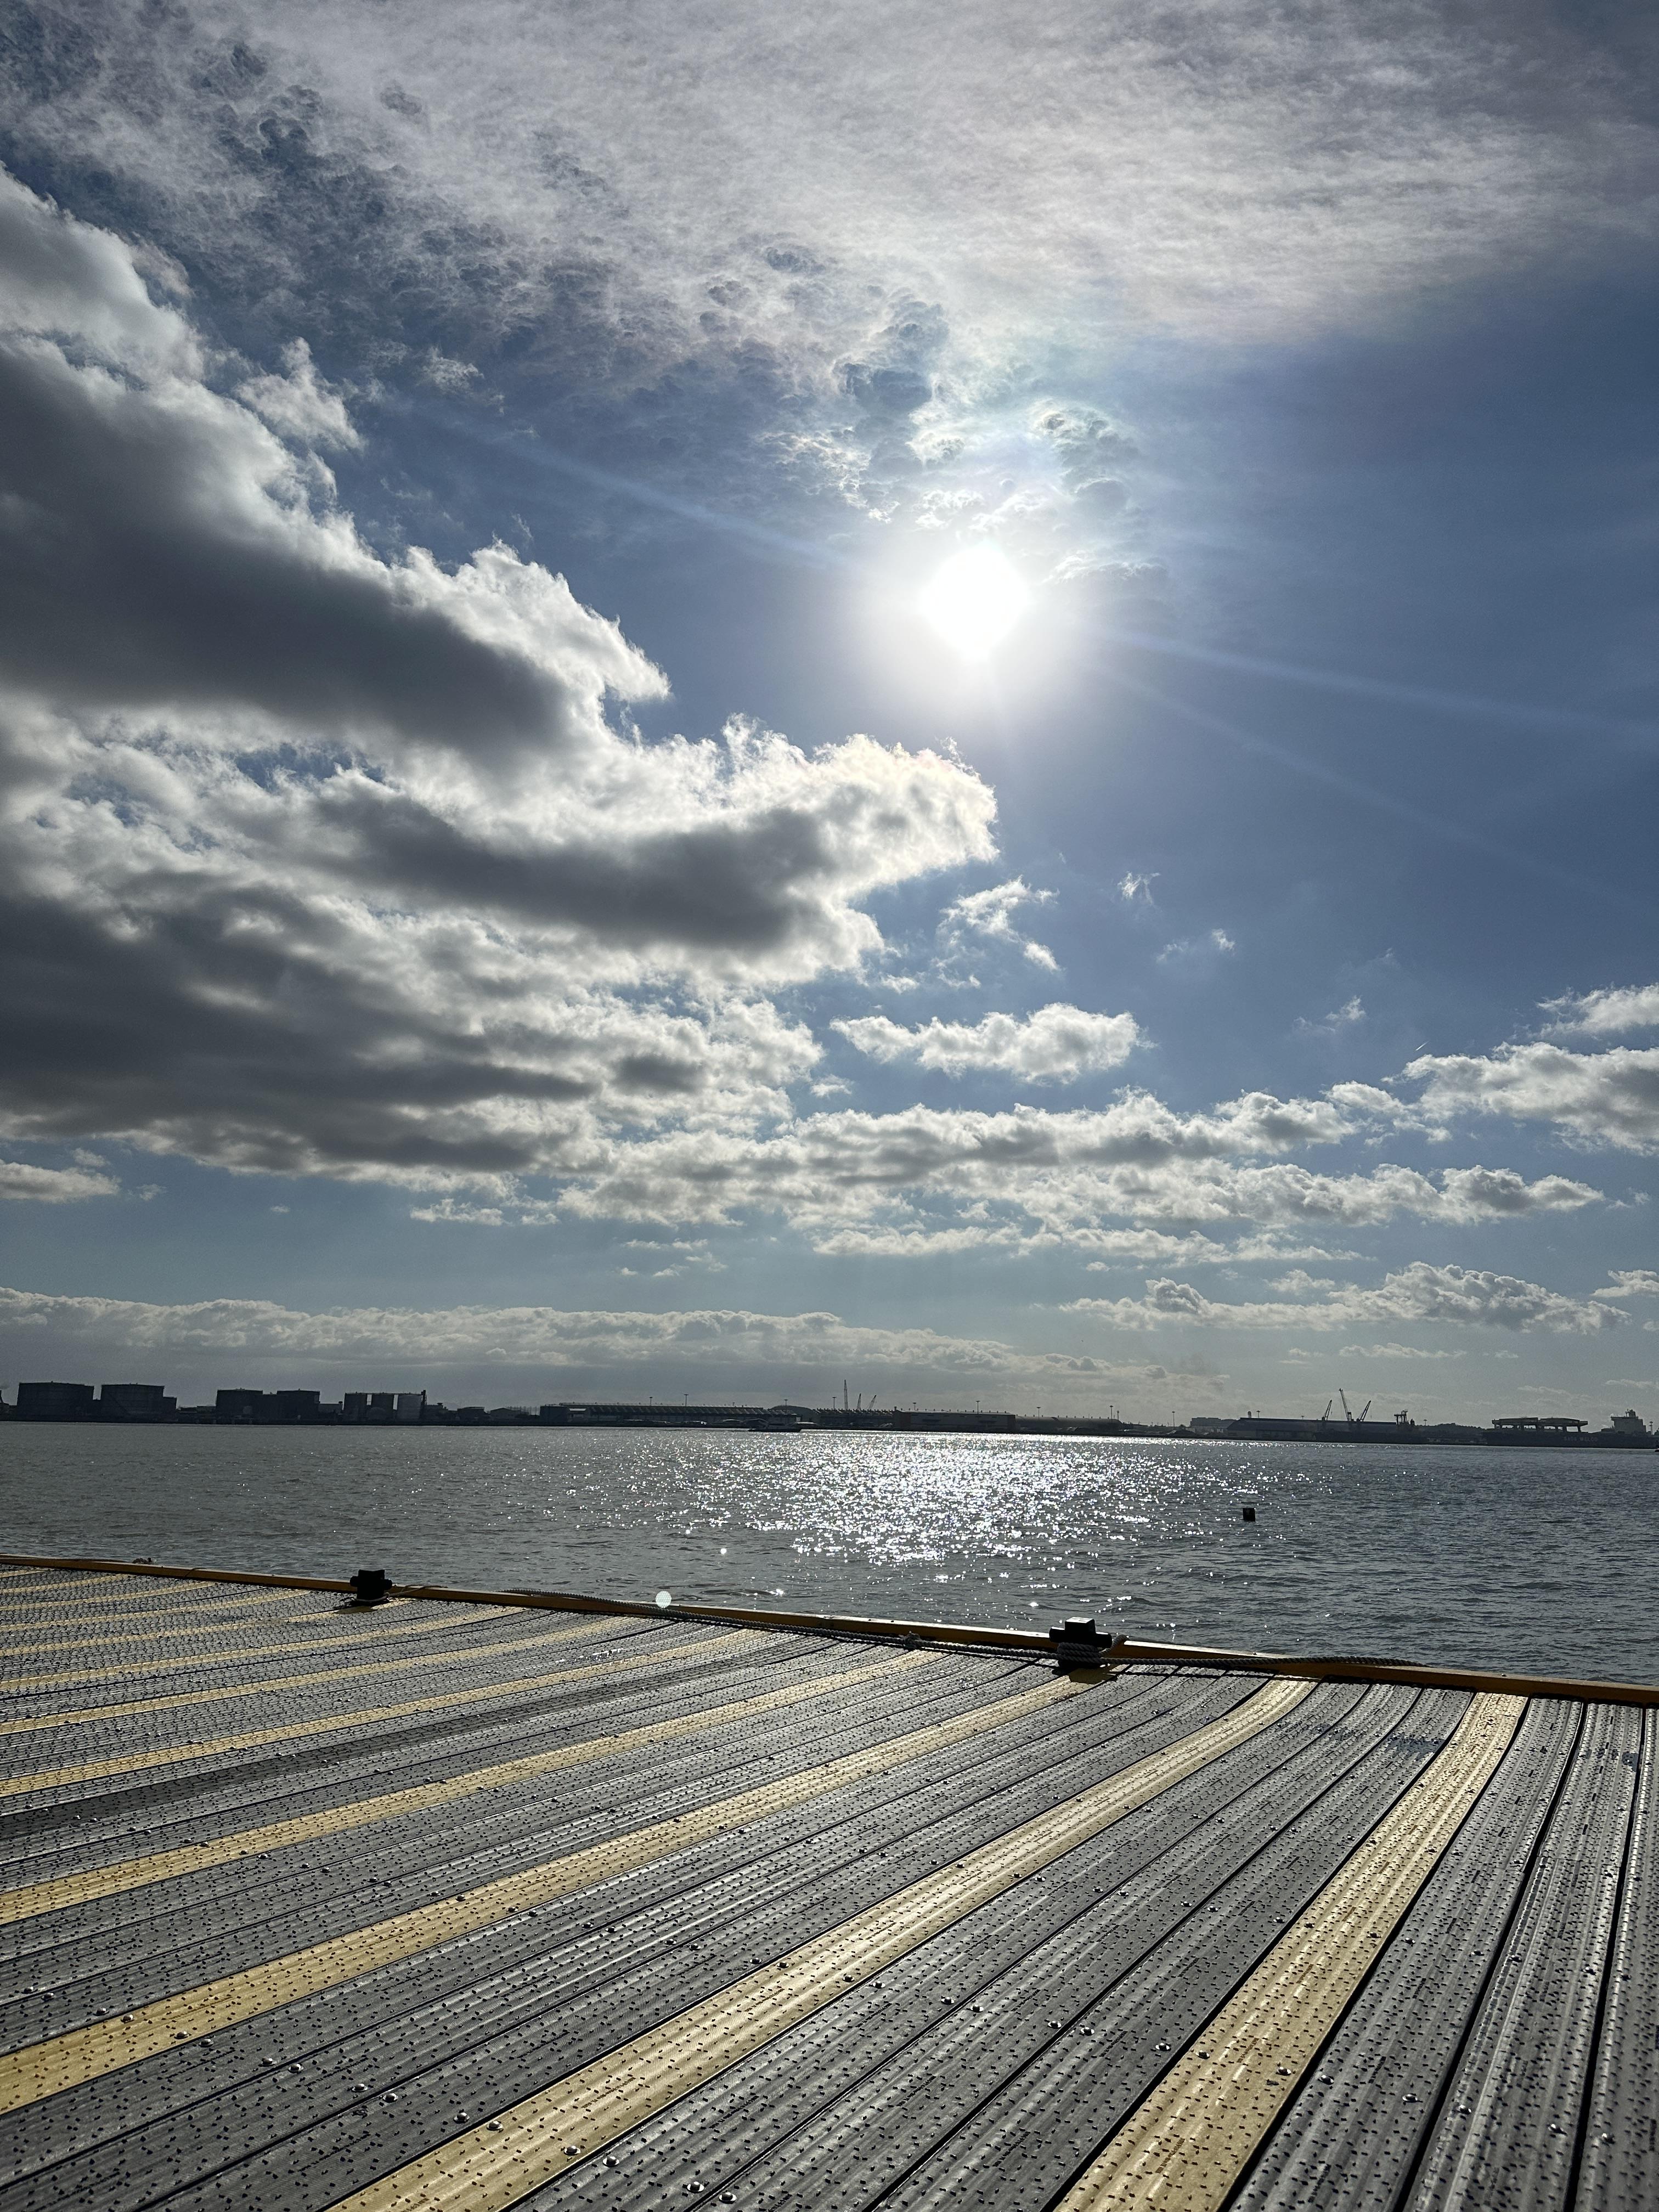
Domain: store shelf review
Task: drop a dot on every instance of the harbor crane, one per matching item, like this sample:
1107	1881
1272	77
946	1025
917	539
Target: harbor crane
1354	1420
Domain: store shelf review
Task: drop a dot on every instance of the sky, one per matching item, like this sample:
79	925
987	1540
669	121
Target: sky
699	700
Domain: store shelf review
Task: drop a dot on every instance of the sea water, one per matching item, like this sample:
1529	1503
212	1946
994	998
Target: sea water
1539	1560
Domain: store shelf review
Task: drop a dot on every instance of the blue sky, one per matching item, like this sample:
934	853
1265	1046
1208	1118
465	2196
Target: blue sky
507	889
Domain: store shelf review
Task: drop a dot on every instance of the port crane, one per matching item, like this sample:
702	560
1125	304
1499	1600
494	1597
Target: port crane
1354	1420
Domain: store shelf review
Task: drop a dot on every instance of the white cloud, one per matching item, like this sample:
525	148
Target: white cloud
1630	1283
1212	944
1606	1097
53	1186
1056	1044
1134	886
1397	1352
1420	1292
1605	1013
1343	1017
1067	1173
990	913
297	403
1368	1101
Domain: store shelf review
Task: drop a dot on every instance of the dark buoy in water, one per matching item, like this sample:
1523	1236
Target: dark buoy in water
1250	1513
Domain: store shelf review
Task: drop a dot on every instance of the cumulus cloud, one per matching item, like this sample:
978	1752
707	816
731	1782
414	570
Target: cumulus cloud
320	861
53	1186
1601	1097
990	913
1066	1173
1609	1012
1420	1292
1056	1044
1630	1283
298	403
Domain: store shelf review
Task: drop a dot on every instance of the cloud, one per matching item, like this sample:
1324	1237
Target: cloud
701	173
1067	1172
1057	1044
1212	944
542	1348
676	212
1397	1352
53	1186
1605	1013
319	861
1420	1292
1343	1017
1133	887
989	914
1630	1283
298	403
1603	1099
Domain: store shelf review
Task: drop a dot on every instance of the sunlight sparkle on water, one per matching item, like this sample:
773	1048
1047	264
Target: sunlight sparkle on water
975	600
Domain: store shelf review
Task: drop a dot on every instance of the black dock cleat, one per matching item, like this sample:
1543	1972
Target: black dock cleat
1080	1644
371	1586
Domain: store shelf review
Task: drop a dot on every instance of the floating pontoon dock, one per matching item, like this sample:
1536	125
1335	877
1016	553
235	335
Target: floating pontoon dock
472	1902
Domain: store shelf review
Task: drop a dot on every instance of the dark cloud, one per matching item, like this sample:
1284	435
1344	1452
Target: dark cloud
159	548
317	863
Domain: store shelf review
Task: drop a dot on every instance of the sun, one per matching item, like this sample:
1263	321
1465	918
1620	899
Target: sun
975	600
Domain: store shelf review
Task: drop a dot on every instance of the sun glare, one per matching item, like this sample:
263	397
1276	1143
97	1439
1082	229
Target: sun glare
975	600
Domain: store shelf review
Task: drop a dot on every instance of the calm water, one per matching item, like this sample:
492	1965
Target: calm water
1539	1560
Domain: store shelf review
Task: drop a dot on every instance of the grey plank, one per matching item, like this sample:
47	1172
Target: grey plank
1620	2169
1509	2122
1357	2128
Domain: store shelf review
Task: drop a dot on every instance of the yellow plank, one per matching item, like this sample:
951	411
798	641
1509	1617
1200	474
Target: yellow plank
93	1770
216	1692
373	1629
84	2054
46	1646
492	2166
1185	2147
193	1858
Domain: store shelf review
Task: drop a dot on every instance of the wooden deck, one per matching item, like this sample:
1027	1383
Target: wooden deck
474	1905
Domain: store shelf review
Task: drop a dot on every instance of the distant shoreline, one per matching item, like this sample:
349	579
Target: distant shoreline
266	1410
